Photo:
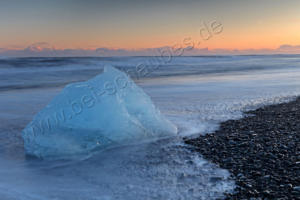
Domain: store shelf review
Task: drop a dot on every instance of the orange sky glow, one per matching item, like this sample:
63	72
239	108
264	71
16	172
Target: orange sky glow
265	24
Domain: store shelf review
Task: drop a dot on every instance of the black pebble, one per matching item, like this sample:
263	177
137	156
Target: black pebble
262	152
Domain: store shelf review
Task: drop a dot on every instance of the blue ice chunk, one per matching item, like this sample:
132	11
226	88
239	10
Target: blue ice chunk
105	111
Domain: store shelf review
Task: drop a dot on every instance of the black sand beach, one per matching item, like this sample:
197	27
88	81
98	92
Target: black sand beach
262	152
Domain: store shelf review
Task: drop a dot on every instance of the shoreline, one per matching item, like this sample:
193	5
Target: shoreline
261	151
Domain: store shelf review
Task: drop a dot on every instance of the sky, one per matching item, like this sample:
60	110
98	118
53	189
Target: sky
140	24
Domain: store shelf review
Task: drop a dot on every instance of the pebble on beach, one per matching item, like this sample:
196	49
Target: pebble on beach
262	152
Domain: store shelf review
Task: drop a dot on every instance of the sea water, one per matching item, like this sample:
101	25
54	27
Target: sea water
195	93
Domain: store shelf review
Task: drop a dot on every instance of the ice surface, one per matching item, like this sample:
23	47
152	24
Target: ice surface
108	110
